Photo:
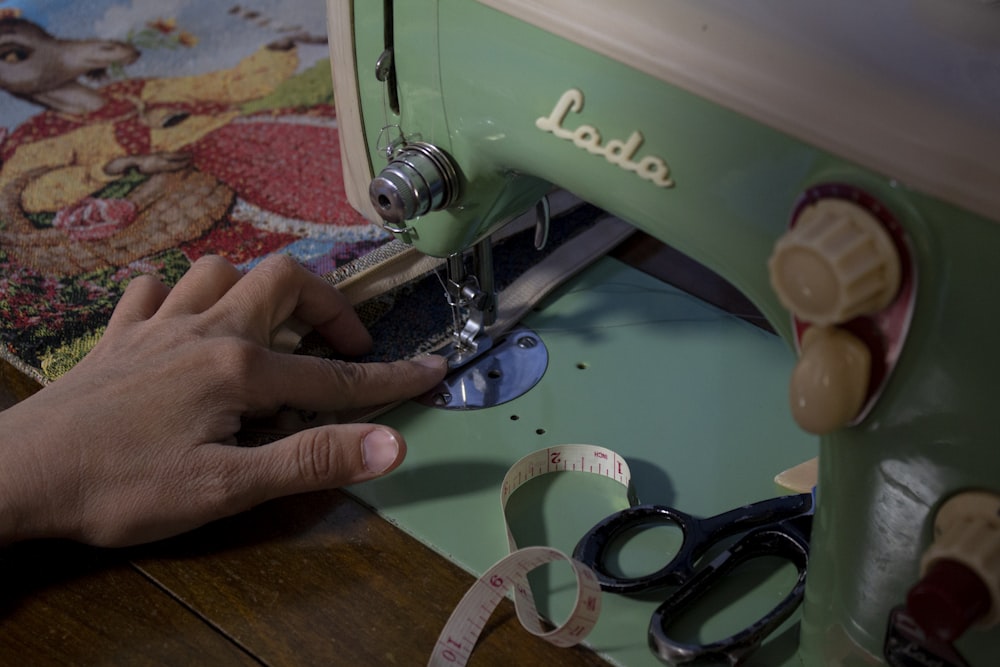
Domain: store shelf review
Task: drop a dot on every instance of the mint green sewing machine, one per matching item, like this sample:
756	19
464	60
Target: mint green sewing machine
838	165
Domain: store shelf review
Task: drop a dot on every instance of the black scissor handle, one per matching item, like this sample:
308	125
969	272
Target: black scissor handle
698	536
592	549
785	541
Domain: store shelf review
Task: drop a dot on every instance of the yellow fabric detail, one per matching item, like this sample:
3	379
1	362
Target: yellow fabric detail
254	76
191	130
76	160
60	360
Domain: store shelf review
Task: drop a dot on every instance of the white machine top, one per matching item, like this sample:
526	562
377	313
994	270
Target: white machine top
908	88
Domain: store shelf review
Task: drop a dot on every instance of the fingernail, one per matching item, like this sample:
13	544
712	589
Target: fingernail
379	451
434	361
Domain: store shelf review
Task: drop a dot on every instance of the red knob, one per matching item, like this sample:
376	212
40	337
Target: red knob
949	599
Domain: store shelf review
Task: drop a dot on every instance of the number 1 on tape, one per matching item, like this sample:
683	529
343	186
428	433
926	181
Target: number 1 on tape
461	632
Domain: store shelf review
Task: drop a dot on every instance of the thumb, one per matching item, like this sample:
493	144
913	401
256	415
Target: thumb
323	458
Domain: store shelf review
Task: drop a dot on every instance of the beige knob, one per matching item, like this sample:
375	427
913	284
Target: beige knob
830	381
967	530
836	263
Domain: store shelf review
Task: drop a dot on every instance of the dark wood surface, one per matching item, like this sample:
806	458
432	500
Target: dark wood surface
311	579
63	604
307	580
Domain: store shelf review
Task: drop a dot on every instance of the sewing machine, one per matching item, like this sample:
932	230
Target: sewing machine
836	165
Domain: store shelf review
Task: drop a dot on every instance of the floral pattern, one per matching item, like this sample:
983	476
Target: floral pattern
281	158
92	219
41	313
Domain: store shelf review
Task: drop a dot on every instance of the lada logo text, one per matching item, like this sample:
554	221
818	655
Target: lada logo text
617	152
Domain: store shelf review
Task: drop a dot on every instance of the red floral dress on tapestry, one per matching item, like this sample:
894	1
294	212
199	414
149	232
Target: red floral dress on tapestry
285	163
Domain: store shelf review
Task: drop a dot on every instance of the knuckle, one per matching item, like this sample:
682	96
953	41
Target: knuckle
145	281
319	458
228	368
216	488
346	373
354	383
279	266
236	359
211	261
212	265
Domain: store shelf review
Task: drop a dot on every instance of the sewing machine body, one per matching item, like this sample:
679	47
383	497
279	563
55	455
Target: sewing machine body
638	108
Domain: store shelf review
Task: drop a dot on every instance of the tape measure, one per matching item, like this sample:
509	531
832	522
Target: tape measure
461	632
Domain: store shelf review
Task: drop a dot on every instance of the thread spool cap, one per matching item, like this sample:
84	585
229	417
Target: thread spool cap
396	194
419	178
837	262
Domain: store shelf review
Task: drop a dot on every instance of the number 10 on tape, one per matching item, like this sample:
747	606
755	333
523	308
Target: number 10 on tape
456	641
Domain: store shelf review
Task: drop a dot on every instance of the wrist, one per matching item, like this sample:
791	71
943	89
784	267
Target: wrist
10	521
22	497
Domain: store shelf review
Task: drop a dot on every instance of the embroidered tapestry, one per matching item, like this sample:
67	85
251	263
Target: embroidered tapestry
139	135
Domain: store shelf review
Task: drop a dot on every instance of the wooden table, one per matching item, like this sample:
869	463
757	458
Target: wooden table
307	580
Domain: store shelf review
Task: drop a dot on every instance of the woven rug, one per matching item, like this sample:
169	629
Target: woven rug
139	135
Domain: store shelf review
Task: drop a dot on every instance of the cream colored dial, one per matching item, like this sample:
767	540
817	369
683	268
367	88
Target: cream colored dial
830	381
837	262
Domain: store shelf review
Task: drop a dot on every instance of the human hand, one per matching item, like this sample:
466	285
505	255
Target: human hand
137	441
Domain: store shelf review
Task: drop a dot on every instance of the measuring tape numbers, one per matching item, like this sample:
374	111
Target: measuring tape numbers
461	632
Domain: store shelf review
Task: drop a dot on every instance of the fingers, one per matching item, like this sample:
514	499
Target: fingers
279	288
313	383
248	305
264	299
321	458
204	284
141	300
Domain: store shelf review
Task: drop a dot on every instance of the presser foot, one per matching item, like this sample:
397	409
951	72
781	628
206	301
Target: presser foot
491	375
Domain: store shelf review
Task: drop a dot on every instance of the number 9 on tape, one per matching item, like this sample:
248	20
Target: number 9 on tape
467	621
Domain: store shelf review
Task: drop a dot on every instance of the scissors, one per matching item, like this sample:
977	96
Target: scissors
775	527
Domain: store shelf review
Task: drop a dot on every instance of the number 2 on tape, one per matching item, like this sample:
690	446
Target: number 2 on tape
461	632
